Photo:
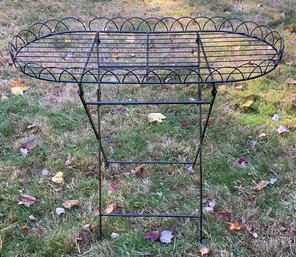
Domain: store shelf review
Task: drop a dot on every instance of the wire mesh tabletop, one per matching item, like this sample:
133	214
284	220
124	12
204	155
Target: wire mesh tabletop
152	51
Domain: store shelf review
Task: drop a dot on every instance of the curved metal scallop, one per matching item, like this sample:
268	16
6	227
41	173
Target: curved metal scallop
130	76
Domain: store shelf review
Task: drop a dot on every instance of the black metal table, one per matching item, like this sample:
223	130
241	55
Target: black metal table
200	51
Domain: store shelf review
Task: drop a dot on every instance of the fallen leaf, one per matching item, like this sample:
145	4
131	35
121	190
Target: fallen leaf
290	29
112	187
155	117
166	236
24	152
254	234
31	126
31	144
68	40
58	178
272	181
277	17
223	216
68	204
239	87
247	104
32	218
153	236
60	211
113	208
138	170
234	226
291	81
282	129
212	203
18	88
25	229
16	91
203	122
222	87
185	126
159	194
68	162
208	209
45	172
171	169
114	235
114	55
290	63
275	117
252	145
262	135
204	251
87	227
190	170
262	184
27	200
243	161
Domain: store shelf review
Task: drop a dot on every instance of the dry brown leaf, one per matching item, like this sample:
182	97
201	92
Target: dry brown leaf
16	91
18	88
171	169
71	203
31	144
262	184
113	208
262	135
58	178
247	104
155	117
282	129
27	200
110	208
291	81
290	29
25	229
20	85
153	236
234	226
204	251
138	170
114	55
222	87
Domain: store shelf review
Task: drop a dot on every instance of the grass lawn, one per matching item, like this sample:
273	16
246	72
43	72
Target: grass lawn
52	116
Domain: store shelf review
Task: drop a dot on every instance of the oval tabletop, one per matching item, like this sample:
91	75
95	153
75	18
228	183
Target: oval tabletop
151	51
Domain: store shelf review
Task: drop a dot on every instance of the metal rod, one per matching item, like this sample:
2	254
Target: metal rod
147	102
150	162
97	39
199	97
147	215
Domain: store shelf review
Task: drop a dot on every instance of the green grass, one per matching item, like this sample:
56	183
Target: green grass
62	131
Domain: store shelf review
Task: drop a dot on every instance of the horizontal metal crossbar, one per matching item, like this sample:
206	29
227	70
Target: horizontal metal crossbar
151	162
147	102
144	215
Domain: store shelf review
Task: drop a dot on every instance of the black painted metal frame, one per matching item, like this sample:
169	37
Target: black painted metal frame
151	51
